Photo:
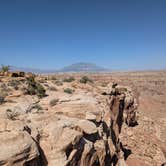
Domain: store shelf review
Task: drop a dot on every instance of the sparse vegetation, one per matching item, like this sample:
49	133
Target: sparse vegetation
52	88
68	90
53	102
14	84
2	99
85	80
11	114
114	85
4	90
58	83
3	86
69	79
35	88
38	107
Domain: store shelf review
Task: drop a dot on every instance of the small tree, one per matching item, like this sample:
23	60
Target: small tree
5	68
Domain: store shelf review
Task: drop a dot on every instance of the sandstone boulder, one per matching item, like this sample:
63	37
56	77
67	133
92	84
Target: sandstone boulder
17	148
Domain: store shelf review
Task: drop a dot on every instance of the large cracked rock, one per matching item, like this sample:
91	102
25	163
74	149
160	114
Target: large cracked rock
17	146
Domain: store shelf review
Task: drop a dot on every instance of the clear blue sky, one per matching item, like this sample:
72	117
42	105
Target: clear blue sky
117	34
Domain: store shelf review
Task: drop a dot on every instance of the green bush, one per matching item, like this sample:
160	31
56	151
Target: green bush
58	83
53	102
85	79
68	90
41	92
35	88
69	79
52	88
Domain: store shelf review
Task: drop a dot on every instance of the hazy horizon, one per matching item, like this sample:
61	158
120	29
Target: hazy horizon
121	35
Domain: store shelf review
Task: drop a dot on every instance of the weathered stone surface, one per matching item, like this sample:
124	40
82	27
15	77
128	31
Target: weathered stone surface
87	126
17	148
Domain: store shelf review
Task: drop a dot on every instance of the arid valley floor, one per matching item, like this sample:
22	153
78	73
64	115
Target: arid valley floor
62	127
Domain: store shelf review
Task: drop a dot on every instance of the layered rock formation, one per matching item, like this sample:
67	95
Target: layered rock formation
80	130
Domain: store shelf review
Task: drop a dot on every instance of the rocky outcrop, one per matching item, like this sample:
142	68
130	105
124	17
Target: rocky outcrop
82	130
89	141
17	145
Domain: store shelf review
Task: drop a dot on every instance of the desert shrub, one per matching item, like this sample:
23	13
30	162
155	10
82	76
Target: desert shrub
53	102
35	88
4	90
52	88
68	90
3	94
35	108
2	99
114	85
41	92
69	79
85	79
11	114
3	86
58	83
14	84
38	107
104	84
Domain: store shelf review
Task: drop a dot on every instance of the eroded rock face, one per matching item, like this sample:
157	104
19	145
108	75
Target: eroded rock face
80	130
91	141
18	148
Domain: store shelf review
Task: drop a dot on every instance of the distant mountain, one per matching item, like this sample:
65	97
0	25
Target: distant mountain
77	67
83	67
